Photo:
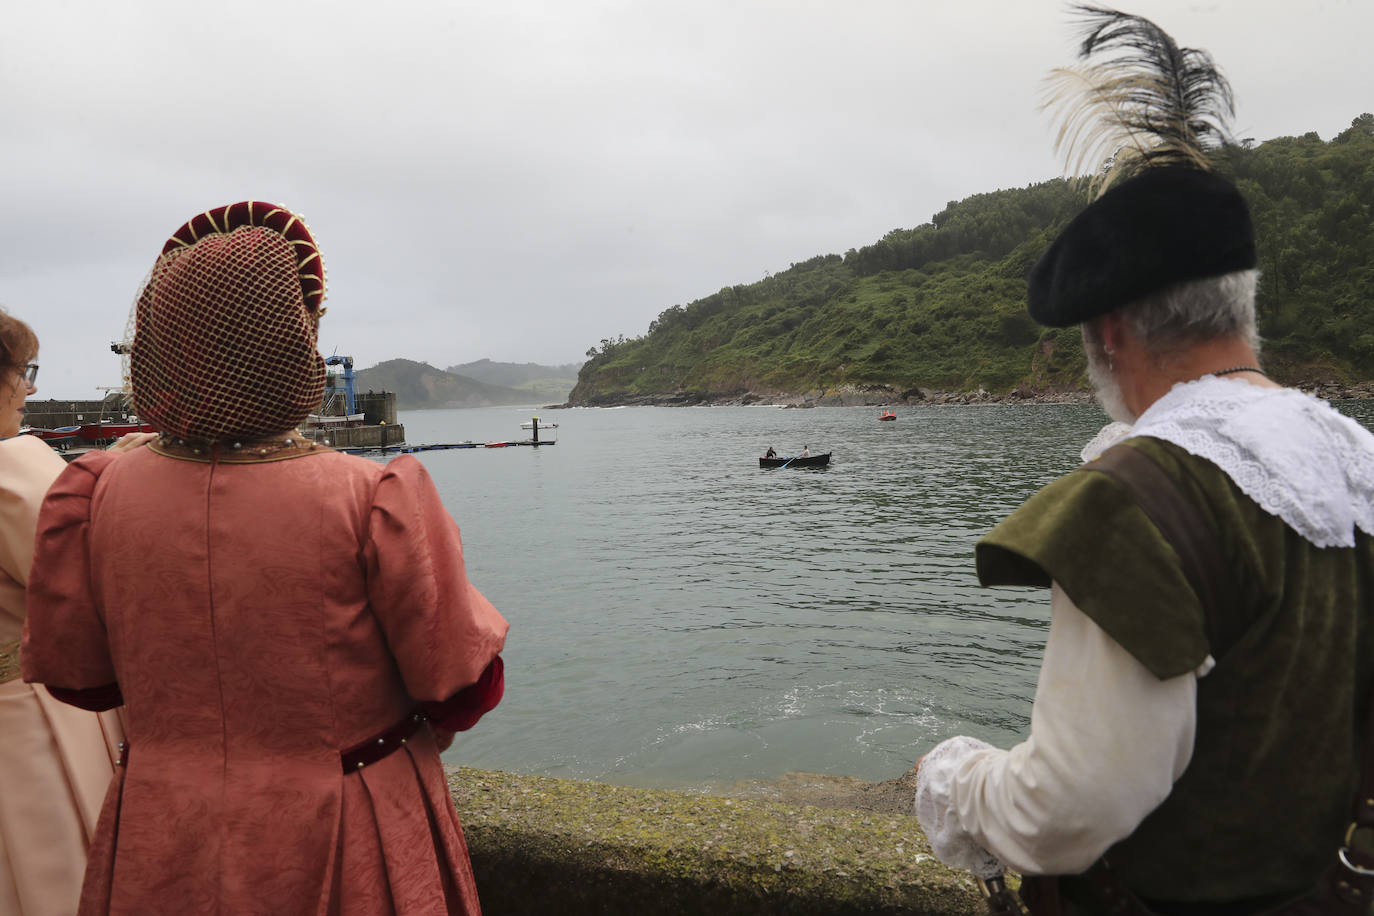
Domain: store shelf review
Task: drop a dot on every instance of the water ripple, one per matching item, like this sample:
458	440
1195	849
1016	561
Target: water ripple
681	617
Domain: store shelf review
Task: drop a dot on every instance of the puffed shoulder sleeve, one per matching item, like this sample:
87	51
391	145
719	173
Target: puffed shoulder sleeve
1087	533
65	643
27	468
443	632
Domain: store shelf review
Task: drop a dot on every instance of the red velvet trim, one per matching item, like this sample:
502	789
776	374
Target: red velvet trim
223	220
96	699
461	711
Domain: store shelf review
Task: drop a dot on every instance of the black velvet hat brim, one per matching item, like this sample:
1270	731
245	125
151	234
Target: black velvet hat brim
1164	226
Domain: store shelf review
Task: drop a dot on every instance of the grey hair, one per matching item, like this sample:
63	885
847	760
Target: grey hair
1196	311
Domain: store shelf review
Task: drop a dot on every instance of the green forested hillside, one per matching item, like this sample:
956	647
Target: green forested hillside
942	306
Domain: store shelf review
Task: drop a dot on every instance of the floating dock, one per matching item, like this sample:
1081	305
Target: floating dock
440	447
72	454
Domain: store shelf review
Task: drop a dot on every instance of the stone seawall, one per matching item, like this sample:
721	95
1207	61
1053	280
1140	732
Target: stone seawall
50	413
364	436
541	846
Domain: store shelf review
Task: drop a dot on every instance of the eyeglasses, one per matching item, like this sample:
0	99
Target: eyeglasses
29	373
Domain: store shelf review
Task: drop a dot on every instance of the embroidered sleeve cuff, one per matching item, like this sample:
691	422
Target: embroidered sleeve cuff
936	810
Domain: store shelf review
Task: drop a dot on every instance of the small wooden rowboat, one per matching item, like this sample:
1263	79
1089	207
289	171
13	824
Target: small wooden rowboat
811	461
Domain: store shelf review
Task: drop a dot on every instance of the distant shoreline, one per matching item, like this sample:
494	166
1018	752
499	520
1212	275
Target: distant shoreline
841	398
885	396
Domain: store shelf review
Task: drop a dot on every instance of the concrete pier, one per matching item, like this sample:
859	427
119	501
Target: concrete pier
379	436
378	430
376	407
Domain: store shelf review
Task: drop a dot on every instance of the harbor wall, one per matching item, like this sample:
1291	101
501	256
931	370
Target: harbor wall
50	413
541	845
380	428
378	436
376	407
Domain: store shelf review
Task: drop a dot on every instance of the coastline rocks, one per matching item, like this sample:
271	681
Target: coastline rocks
854	395
1336	391
842	396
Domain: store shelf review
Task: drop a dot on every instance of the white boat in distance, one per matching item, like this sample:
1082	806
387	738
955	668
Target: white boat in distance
352	419
529	424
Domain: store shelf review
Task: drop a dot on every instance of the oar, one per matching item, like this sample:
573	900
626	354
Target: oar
787	462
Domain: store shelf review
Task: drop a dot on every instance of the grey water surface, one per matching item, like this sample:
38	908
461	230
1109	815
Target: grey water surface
682	618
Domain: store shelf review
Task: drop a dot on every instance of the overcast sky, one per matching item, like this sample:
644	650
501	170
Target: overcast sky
517	180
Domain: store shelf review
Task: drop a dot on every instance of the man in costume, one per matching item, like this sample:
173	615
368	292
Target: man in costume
291	630
1198	726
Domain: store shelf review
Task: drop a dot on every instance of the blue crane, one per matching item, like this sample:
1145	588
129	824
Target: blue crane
332	390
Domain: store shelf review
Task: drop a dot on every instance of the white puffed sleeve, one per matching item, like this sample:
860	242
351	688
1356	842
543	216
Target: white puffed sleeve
1108	740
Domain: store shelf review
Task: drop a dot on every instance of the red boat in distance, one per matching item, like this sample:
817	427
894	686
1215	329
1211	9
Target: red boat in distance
107	431
887	415
58	438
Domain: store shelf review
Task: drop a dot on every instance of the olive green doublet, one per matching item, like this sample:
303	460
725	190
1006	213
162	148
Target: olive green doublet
1264	803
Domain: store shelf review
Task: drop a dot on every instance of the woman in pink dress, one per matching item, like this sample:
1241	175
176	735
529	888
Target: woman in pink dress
290	628
55	761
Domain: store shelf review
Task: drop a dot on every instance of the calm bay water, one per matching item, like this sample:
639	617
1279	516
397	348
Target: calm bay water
680	617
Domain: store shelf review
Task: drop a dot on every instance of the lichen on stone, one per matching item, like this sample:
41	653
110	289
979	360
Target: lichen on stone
596	842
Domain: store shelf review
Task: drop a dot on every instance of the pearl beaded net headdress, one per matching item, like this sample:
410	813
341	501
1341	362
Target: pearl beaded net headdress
225	327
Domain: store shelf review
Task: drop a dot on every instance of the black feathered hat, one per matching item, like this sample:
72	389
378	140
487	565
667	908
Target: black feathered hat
1153	108
1164	226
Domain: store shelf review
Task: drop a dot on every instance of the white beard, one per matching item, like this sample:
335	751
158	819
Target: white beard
1105	385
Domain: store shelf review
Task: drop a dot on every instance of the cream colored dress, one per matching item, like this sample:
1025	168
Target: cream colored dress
55	760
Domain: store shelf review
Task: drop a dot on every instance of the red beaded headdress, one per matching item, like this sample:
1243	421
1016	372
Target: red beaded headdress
225	328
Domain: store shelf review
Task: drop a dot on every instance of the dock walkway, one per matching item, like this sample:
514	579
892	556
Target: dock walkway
439	447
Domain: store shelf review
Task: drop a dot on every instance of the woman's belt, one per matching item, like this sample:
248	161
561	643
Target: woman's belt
358	756
375	748
9	661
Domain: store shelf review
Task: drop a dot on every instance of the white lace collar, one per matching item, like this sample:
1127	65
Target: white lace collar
1293	454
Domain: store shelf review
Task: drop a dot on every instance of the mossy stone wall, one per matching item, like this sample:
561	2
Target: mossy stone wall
559	846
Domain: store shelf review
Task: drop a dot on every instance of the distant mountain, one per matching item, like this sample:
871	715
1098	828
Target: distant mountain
419	385
546	383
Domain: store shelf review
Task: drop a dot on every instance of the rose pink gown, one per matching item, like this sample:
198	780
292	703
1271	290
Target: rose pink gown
260	621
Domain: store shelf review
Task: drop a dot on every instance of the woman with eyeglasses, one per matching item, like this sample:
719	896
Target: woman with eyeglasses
19	379
55	760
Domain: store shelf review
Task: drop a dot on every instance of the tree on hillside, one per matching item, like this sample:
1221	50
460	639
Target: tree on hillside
942	305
